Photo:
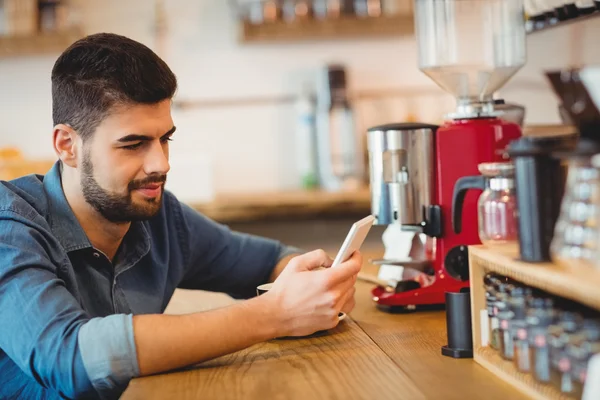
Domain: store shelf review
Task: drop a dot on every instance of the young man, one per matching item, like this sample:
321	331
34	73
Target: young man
92	251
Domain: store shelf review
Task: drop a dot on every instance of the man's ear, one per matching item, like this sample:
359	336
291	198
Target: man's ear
67	144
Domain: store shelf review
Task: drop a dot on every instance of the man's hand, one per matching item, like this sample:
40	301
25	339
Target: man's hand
304	299
281	266
309	298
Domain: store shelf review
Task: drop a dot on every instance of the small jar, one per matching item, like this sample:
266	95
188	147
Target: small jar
560	334
580	349
505	317
489	282
296	10
499	307
271	11
518	328
540	316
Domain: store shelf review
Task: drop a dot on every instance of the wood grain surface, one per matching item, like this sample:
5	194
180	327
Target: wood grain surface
413	341
341	364
371	355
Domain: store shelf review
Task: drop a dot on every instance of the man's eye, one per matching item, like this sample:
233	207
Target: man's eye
132	146
167	139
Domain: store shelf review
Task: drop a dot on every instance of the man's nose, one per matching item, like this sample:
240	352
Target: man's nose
157	160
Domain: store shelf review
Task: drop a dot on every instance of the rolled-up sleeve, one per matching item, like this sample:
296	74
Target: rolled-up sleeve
224	260
112	336
44	330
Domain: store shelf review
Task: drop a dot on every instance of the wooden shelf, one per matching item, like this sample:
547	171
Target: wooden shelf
328	29
11	46
491	360
579	283
581	18
293	205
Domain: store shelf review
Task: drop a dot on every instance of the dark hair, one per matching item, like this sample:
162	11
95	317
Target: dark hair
102	71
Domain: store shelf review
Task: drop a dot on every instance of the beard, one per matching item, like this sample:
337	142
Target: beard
116	207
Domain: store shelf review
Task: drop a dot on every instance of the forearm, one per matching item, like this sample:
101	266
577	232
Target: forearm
166	342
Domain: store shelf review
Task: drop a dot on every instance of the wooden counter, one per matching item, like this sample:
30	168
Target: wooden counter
372	355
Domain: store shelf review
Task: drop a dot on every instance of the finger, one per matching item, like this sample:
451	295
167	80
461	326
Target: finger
310	261
342	291
345	270
349	306
347	301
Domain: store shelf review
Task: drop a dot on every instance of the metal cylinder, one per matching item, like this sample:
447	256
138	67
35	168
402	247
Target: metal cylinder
401	172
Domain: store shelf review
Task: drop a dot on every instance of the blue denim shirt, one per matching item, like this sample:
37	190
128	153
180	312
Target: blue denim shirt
66	310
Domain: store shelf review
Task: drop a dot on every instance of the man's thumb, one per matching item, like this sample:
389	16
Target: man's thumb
310	261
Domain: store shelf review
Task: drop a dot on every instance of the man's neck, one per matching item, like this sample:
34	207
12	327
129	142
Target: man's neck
104	235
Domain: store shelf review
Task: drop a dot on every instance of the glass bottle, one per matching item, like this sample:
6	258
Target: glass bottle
560	335
328	9
271	11
505	317
518	328
296	10
499	307
540	316
489	282
582	347
340	156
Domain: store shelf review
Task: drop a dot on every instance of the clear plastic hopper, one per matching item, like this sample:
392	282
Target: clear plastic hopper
470	48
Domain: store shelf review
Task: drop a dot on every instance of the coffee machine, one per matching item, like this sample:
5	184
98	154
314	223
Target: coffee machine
470	48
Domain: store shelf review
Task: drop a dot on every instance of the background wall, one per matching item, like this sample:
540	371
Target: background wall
245	147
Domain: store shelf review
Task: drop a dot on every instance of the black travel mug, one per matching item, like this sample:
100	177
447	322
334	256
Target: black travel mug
458	325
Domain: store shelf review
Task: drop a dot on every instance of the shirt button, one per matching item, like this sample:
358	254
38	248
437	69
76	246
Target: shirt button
96	254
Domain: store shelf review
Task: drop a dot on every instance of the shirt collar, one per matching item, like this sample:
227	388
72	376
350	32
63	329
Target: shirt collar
68	230
61	218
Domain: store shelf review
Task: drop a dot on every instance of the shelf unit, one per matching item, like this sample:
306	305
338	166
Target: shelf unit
290	205
579	19
21	45
351	27
340	28
577	283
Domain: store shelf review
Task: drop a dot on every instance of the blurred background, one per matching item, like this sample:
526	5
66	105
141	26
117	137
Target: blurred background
255	79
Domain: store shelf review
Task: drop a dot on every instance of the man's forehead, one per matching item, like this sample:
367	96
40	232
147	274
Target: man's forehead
151	120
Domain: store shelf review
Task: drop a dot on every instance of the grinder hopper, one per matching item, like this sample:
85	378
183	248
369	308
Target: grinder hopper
470	48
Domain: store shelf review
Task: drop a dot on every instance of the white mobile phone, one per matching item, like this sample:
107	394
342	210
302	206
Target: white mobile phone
356	237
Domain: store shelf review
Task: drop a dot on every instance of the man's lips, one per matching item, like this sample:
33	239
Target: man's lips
150	190
151	186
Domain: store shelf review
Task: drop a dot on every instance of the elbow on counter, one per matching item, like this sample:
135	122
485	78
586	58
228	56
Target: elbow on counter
91	360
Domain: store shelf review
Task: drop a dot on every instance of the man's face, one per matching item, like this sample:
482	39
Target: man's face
124	164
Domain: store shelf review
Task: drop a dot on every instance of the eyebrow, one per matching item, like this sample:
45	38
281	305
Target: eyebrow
135	137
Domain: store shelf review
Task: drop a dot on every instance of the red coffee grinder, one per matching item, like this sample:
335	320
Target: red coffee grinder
470	48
